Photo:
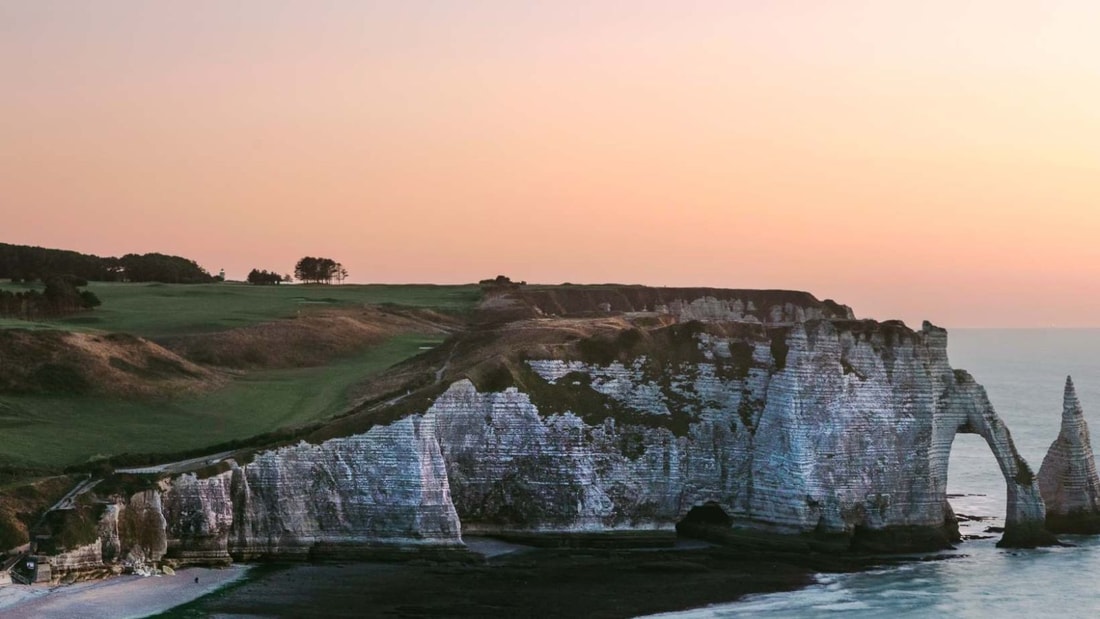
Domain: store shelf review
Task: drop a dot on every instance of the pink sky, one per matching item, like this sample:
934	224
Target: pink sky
930	160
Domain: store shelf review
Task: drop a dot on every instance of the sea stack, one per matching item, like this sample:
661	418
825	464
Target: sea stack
1067	479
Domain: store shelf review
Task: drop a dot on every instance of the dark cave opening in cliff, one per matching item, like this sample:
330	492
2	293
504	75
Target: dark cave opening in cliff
704	521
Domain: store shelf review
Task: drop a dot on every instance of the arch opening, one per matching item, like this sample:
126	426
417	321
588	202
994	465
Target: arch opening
976	489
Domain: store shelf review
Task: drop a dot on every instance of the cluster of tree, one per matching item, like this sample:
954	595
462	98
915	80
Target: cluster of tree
265	278
162	268
319	270
500	282
23	263
60	297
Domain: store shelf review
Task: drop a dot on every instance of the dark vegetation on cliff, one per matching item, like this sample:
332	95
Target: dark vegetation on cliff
512	301
22	501
510	327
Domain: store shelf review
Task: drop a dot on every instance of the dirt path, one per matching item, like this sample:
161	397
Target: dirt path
179	466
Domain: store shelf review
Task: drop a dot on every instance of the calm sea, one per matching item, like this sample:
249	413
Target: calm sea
1024	372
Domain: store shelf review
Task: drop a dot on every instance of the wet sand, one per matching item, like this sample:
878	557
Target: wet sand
513	581
531	583
114	598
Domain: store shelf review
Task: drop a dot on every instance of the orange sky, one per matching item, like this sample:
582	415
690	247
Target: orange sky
935	162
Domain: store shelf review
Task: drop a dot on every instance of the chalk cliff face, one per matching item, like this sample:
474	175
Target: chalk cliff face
385	487
792	420
81	560
840	428
1067	478
383	490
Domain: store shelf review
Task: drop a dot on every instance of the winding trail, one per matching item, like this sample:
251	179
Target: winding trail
179	466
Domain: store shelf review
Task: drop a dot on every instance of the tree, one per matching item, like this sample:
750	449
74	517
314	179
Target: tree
264	277
24	263
61	297
161	268
318	270
89	299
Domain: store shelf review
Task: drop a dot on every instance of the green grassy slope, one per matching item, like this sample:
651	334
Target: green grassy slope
159	310
55	431
153	310
58	431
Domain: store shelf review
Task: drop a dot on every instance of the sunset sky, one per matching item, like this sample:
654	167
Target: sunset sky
936	159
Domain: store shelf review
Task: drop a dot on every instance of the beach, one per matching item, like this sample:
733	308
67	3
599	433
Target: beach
513	580
547	583
119	597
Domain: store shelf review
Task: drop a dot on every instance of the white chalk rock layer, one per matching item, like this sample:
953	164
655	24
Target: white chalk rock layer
1067	478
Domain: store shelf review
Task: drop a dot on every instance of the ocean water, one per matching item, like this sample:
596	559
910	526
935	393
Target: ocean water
1024	373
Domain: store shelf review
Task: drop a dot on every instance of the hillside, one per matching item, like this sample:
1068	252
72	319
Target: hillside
51	362
166	369
163	368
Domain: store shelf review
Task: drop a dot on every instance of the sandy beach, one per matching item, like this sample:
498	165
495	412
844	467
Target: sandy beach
114	598
514	580
539	583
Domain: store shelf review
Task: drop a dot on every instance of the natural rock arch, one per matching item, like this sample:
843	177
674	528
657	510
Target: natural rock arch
966	409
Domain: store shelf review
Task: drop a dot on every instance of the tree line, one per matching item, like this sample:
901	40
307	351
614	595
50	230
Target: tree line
309	270
265	277
24	263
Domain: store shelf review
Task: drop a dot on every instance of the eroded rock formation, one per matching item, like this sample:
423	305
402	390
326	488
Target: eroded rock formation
382	491
843	430
785	420
1067	478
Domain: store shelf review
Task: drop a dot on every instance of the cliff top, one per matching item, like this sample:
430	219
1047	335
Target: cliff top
513	301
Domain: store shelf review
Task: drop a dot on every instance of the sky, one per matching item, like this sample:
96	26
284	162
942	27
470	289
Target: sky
935	160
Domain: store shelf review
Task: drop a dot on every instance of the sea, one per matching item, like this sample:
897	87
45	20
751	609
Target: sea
1024	372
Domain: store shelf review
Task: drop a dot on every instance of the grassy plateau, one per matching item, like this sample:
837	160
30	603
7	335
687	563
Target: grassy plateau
158	310
52	430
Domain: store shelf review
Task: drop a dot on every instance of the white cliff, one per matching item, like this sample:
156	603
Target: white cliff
380	493
793	425
850	437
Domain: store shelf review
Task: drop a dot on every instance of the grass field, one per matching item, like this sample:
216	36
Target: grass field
55	431
58	431
158	310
